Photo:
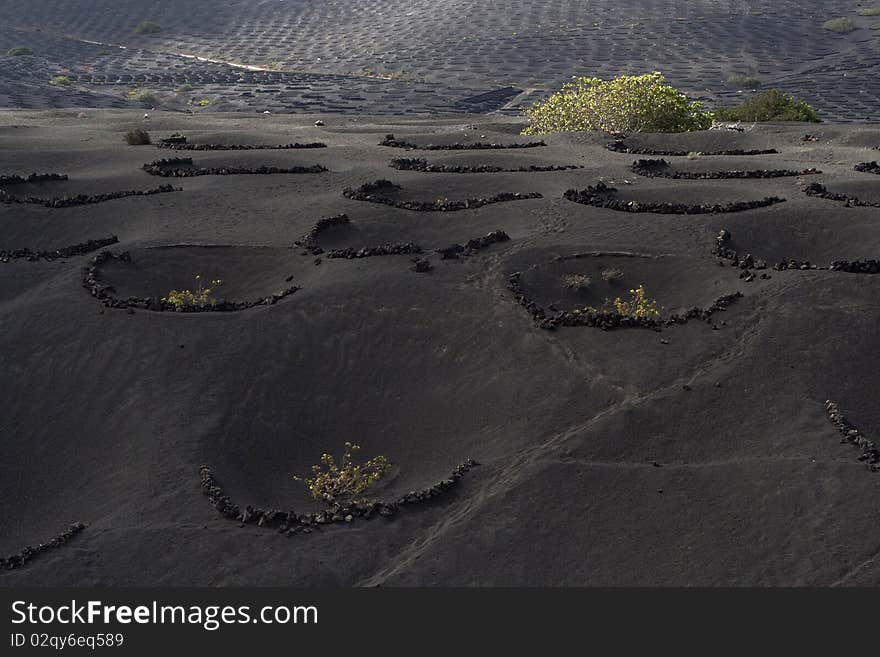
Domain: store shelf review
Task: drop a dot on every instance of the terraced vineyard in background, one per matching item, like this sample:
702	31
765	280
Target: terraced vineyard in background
417	56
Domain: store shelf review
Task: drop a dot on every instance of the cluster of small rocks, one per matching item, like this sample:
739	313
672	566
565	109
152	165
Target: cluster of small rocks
64	252
606	319
31	178
179	143
851	434
182	167
398	248
309	241
599	197
368	192
423	166
748	262
21	558
476	146
661	169
868	167
456	251
290	522
84	199
104	293
620	146
819	191
421	265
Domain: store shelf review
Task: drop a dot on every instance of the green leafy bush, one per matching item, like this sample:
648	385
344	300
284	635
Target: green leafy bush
18	51
629	103
872	11
612	274
137	137
577	282
189	299
336	484
743	81
142	96
638	304
61	81
839	25
771	105
148	27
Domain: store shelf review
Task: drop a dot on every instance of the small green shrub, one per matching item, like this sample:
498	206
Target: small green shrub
18	51
612	274
871	11
771	105
337	484
143	96
188	299
839	25
577	282
743	81
137	137
638	304
203	102
628	103
61	81
148	27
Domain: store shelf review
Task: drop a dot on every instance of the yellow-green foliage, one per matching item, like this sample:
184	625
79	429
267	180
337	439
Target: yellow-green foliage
60	81
576	281
148	27
872	11
186	299
638	305
143	96
19	51
840	25
336	483
770	105
204	102
629	103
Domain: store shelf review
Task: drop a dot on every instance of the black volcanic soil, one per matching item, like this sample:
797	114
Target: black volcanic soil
418	56
700	454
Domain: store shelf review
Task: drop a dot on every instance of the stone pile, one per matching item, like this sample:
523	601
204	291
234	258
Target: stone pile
392	142
608	320
179	143
868	167
600	196
399	248
423	166
456	251
819	191
370	192
290	522
104	293
851	434
661	169
31	178
56	254
182	167
83	199
29	553
309	241
620	146
747	262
